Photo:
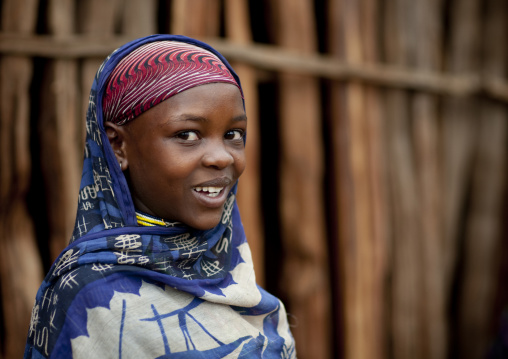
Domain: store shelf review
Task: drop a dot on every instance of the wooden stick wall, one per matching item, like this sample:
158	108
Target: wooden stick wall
378	136
20	264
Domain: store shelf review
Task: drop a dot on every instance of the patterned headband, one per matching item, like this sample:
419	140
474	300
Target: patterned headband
156	71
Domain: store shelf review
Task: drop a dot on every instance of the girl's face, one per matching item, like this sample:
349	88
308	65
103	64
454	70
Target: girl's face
183	156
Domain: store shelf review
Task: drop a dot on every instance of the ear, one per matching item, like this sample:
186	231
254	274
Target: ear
117	139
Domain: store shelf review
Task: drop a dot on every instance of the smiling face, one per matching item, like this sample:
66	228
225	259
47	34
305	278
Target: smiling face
183	156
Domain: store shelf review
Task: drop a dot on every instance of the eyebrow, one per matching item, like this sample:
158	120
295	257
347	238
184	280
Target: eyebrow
194	118
242	117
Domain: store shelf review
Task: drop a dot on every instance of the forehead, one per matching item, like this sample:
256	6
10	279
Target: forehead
215	102
208	97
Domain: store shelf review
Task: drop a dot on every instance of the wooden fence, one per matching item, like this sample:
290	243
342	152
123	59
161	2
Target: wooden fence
375	199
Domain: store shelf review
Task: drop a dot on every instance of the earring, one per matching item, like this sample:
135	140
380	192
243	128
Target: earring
120	163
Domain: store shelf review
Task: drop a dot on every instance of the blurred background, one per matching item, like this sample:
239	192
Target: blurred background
375	199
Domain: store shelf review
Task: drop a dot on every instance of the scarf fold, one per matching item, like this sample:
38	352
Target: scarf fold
128	291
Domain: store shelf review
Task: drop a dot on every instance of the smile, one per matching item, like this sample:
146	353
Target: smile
209	191
212	193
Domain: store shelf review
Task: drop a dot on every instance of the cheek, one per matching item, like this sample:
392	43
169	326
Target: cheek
180	165
240	162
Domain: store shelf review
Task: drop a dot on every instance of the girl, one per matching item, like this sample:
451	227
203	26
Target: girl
158	264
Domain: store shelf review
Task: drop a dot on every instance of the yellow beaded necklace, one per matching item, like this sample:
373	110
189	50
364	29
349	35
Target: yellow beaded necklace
147	220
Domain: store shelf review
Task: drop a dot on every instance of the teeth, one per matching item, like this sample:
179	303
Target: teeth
212	191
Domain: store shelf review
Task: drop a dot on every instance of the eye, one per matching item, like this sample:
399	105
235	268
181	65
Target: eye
188	136
234	135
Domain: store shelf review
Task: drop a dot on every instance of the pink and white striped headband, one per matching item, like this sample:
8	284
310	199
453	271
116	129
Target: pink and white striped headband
156	71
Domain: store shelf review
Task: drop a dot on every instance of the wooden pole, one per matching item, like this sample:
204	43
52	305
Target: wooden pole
249	190
139	18
343	236
305	275
20	265
459	126
61	146
483	237
98	19
195	18
377	181
406	291
273	58
355	120
427	17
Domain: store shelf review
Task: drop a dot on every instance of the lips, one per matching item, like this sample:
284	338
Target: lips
216	182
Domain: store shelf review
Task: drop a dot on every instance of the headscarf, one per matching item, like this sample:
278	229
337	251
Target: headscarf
121	290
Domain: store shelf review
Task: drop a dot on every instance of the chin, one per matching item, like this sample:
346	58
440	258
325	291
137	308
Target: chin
204	224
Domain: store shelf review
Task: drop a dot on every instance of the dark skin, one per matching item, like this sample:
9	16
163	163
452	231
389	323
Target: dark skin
182	157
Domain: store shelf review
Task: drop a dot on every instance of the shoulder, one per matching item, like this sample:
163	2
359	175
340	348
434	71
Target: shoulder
61	311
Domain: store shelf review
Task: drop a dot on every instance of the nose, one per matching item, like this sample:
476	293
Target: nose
217	156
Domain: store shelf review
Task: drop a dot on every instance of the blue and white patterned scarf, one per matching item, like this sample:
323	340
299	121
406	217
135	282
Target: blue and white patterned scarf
121	290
